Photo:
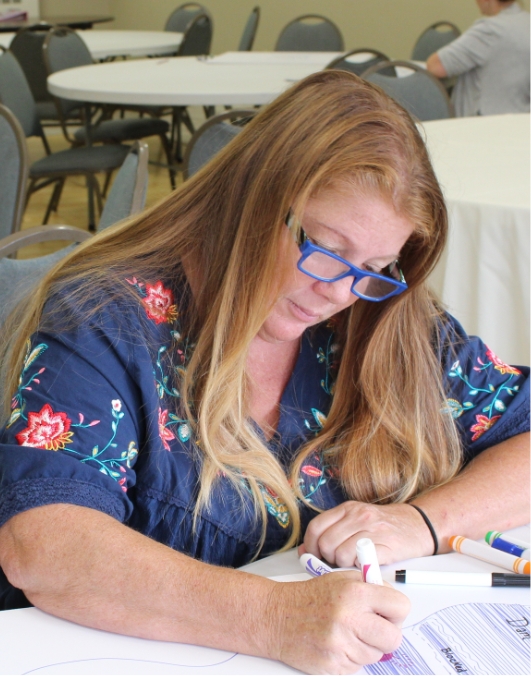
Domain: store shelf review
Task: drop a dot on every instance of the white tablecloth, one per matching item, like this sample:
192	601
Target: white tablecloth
482	164
107	43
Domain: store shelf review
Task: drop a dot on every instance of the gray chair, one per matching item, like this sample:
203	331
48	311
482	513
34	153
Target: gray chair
15	94
127	195
19	277
212	136
27	47
359	66
180	18
63	48
249	31
420	93
13	172
433	38
310	33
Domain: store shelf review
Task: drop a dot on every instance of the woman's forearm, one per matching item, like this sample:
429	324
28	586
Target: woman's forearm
84	566
491	493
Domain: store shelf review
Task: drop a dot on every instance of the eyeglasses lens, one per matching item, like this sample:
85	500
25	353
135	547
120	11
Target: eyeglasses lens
328	268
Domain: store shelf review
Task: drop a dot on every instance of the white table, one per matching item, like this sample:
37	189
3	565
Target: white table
60	647
482	164
250	78
104	44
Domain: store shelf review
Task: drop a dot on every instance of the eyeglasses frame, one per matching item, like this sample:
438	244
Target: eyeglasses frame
306	247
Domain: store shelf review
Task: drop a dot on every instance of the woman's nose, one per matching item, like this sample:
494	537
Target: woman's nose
338	292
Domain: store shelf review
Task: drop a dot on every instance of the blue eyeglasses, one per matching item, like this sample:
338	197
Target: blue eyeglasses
326	266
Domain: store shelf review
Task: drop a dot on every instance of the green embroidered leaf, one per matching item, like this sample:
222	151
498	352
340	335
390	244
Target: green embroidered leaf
468	404
95	450
15	415
36	352
472	392
492	388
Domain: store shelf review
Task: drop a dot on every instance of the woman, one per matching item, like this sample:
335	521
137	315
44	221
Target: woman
196	393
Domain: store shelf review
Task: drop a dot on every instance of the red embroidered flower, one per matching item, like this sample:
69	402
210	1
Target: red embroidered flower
159	303
483	424
310	470
501	366
46	429
165	433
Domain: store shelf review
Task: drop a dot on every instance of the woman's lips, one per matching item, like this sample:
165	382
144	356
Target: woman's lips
303	314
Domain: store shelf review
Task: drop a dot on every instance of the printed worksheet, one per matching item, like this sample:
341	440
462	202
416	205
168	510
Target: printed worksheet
470	638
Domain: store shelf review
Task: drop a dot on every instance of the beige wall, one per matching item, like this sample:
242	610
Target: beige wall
389	25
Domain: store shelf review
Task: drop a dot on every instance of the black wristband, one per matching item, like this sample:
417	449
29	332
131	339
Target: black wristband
430	527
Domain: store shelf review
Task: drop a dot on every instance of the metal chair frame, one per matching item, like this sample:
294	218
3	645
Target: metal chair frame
236	114
201	9
20	197
304	17
375	54
253	17
414	67
41	233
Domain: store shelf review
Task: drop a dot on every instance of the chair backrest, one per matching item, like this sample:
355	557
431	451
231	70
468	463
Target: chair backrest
13	172
310	33
16	95
27	47
19	277
127	195
249	31
212	136
357	61
433	38
197	37
63	48
420	93
181	17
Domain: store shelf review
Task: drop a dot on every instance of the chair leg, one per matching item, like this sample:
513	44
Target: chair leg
90	194
58	191
52	204
169	159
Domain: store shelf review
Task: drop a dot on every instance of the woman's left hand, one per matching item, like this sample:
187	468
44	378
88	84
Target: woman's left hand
398	532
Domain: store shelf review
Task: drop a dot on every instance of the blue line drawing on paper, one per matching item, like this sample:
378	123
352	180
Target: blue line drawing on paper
469	638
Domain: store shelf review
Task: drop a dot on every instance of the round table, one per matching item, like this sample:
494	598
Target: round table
105	44
235	78
482	164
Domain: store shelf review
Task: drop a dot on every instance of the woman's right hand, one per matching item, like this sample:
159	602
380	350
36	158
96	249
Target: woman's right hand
336	623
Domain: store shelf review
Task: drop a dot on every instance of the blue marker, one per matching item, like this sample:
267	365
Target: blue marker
497	541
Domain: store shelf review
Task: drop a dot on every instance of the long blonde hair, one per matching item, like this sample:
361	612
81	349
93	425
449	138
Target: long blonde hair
385	432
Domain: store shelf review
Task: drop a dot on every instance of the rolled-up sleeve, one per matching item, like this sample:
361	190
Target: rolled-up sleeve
77	420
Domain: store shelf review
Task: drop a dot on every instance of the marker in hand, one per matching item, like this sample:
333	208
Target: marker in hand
368	561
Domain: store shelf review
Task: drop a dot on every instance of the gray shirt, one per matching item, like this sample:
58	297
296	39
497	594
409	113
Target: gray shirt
492	61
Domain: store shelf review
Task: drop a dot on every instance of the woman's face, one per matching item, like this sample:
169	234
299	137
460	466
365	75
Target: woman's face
366	231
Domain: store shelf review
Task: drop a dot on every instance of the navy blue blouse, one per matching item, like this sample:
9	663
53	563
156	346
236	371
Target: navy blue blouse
95	423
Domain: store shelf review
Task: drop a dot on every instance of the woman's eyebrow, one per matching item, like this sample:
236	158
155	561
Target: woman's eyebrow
385	259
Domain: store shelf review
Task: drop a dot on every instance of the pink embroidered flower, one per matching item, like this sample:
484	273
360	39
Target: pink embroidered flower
310	470
116	405
46	429
165	433
501	366
159	304
482	425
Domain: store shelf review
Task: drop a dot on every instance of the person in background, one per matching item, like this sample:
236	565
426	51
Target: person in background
255	363
490	60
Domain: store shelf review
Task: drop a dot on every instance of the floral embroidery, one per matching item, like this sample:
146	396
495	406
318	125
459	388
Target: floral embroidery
326	356
500	366
275	507
165	433
157	301
25	381
315	476
482	425
46	429
492	411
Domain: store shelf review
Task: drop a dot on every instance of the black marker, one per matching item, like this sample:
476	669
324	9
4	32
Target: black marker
436	577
